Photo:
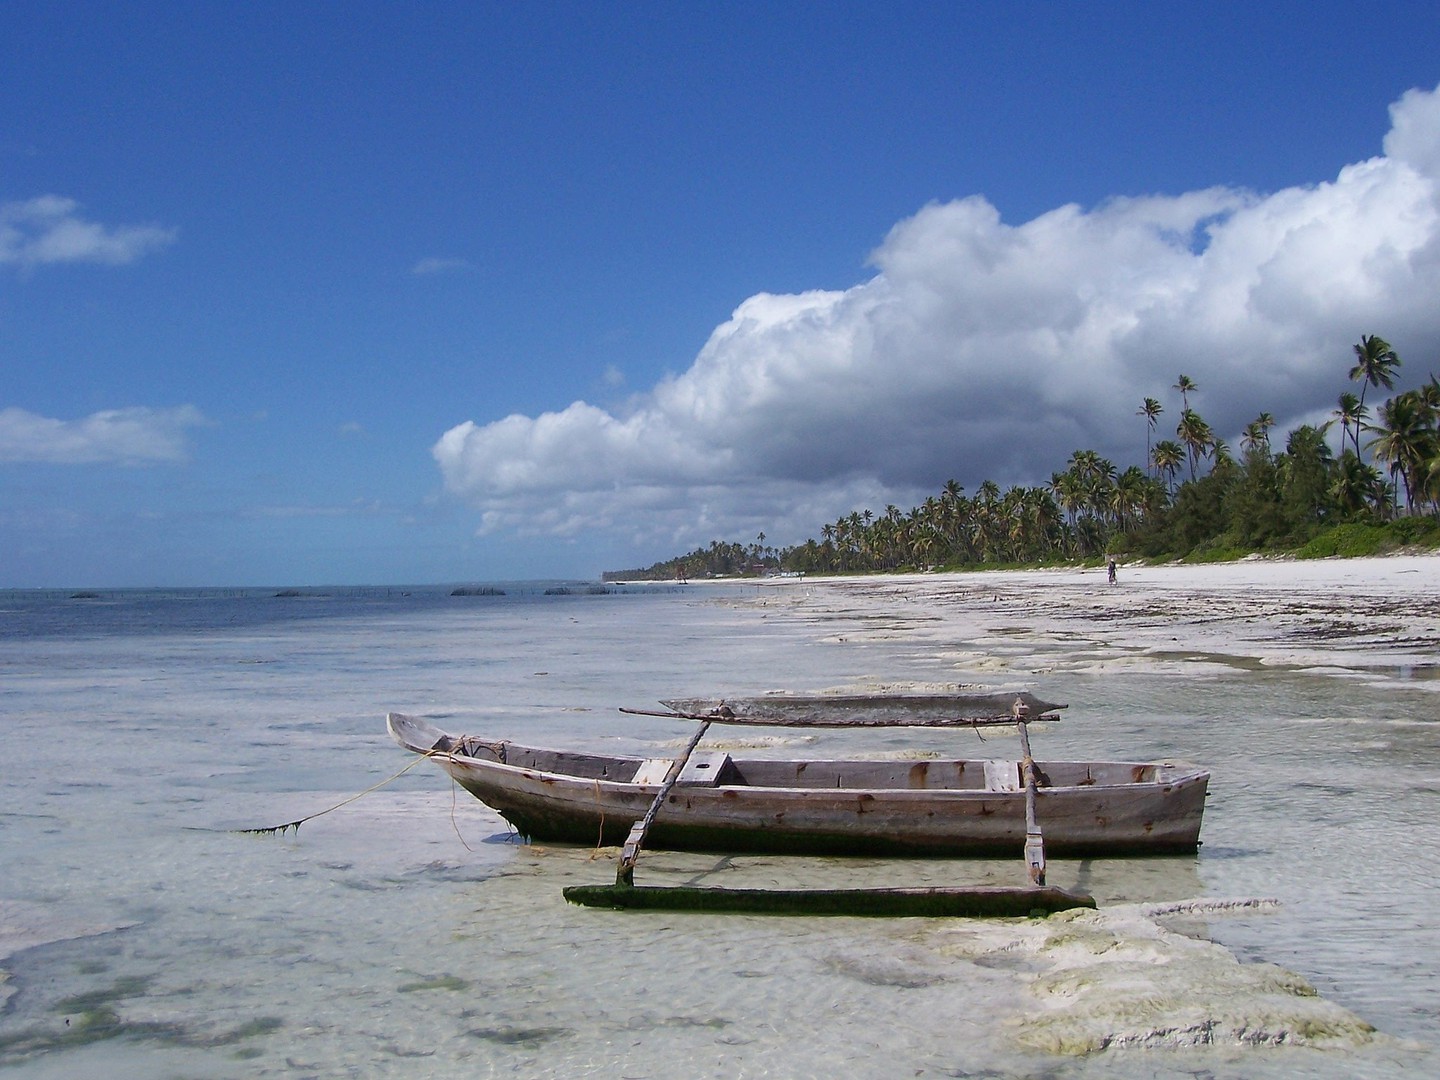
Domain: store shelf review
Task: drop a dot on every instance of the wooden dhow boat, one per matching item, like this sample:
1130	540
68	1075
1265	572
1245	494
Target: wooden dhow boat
712	801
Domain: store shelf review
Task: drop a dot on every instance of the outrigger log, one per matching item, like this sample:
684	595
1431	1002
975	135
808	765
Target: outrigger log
979	901
1033	899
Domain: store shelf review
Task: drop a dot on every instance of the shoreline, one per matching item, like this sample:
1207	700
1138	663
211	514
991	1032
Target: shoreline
1357	614
1377	569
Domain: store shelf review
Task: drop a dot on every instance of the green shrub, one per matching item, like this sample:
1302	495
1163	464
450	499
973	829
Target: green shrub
1213	554
1348	541
1415	531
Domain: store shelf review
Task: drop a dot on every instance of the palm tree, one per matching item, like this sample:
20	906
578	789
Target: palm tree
855	533
1351	413
1044	519
987	529
1253	438
955	513
1128	496
1430	397
1068	492
1430	481
1186	386
926	540
1101	490
1357	487
1151	410
1257	433
1406	439
1195	433
1375	364
1429	489
1168	456
1083	463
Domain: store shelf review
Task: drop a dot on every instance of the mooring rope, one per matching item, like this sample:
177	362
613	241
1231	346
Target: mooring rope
454	784
272	830
600	837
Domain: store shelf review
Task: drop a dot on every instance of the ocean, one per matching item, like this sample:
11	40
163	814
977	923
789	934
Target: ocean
409	933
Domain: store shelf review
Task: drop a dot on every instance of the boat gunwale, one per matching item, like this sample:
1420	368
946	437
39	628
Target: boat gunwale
1190	774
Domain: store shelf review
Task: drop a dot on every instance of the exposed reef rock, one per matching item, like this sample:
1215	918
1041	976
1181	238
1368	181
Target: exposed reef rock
1116	978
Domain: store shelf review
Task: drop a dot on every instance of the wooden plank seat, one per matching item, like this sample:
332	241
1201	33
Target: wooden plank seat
652	771
703	768
1002	776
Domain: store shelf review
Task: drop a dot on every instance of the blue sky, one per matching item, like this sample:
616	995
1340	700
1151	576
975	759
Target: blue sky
380	293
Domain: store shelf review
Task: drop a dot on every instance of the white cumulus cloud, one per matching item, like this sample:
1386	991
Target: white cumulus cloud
49	229
987	350
134	436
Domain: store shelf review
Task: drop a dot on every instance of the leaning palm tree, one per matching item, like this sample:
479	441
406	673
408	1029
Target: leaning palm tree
1375	364
1151	410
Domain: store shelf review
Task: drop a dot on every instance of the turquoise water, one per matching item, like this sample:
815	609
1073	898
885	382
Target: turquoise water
409	934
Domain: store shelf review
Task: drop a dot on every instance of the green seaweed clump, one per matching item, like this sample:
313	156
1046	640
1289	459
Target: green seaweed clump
92	1017
439	982
531	1038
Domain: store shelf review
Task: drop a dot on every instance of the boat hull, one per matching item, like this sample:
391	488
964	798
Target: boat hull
924	808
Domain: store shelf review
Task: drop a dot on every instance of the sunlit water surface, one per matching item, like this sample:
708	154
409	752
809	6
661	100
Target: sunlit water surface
409	934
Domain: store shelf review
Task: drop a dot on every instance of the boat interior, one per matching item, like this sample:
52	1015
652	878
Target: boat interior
716	768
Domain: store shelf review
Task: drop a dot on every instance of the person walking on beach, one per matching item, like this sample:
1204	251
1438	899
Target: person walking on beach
1110	570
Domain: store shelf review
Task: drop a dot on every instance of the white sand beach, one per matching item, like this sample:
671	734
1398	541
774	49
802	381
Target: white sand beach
1349	615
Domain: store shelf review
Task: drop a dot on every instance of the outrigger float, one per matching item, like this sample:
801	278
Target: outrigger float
707	800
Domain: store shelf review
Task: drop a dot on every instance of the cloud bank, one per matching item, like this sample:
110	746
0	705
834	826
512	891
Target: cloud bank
136	436
49	229
985	350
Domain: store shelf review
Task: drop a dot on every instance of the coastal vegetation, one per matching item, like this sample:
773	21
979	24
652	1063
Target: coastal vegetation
1362	482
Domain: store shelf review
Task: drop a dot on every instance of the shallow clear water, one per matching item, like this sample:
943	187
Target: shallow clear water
409	934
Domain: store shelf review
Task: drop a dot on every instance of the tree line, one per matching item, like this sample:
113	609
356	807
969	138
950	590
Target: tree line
1195	498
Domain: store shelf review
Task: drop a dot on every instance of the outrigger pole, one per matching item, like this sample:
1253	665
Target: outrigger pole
630	853
1036	898
1034	840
